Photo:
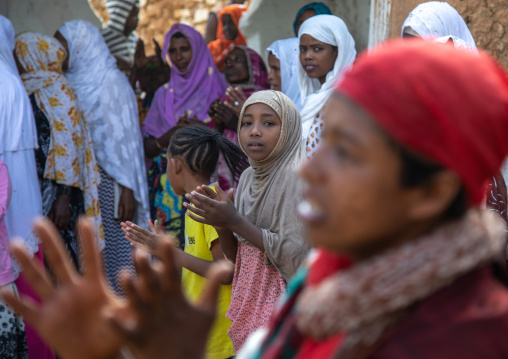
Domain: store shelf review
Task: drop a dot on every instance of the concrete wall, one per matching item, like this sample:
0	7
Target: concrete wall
487	20
45	16
268	20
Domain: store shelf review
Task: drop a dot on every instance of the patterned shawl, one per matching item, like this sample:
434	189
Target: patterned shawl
70	159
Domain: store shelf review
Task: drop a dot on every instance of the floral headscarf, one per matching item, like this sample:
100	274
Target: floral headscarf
70	159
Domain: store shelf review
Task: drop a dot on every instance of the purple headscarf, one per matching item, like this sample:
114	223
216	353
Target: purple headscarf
193	90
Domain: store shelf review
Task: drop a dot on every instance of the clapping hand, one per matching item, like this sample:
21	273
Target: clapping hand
71	316
141	238
165	324
236	99
213	208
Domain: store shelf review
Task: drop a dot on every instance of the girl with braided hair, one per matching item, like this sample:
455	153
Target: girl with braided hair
193	153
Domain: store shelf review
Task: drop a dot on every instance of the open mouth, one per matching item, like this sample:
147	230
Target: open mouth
309	68
310	212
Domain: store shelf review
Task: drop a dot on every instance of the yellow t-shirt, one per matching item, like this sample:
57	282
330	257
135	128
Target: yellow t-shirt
198	241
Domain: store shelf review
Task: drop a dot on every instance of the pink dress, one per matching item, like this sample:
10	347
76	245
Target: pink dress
256	290
6	271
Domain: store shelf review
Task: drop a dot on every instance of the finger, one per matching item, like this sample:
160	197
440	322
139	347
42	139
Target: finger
146	274
196	218
33	271
56	255
158	227
208	300
202	198
241	94
207	191
92	263
24	306
196	210
232	94
170	281
141	234
231	195
220	192
151	226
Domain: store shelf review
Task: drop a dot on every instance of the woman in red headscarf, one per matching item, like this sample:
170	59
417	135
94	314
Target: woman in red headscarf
228	34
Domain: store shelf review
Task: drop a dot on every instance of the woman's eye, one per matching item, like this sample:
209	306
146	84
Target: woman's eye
317	49
246	123
302	49
269	123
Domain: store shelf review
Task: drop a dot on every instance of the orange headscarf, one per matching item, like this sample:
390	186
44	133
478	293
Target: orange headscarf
221	46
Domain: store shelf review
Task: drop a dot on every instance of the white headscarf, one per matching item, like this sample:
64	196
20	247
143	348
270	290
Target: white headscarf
110	109
17	125
436	19
331	30
458	43
287	51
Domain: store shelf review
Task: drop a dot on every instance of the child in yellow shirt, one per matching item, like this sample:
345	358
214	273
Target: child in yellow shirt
193	153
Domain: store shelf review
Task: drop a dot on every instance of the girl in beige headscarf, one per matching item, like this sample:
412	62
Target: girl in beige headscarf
269	244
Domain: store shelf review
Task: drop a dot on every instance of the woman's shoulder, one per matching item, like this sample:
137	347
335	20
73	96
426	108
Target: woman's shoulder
467	319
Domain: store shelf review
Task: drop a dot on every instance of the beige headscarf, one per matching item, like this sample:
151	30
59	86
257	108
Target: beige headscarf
270	190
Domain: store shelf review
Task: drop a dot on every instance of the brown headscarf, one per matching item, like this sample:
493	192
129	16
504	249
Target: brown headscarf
270	190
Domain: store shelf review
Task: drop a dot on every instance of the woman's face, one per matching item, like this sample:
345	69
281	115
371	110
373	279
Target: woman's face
259	131
307	14
180	53
316	57
229	27
274	76
354	203
64	43
236	69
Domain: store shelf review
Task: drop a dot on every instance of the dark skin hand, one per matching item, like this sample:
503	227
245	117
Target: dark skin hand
126	205
70	317
235	94
224	116
227	239
150	143
60	213
166	325
81	319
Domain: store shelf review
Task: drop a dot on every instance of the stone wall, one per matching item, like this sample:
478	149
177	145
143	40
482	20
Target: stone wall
157	16
487	20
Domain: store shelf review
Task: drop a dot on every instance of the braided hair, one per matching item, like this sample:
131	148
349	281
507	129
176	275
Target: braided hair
201	146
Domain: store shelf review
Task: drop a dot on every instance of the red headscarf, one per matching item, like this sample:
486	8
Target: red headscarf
221	46
447	105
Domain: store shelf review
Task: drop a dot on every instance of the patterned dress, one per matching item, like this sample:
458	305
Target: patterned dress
256	290
49	187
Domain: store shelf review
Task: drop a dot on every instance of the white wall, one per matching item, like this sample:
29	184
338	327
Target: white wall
270	20
45	16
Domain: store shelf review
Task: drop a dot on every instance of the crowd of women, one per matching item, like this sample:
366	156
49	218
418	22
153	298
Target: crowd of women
321	207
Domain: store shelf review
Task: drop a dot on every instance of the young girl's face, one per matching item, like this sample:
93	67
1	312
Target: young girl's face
259	131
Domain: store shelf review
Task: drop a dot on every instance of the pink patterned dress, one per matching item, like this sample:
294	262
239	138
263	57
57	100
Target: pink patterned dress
256	290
